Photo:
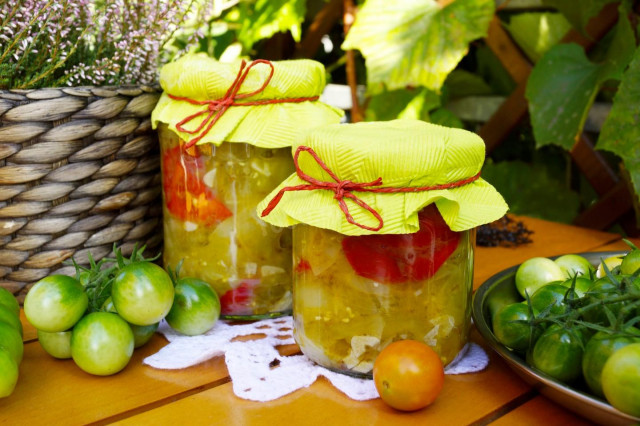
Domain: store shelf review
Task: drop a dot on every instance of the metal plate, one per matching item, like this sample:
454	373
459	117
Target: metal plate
499	290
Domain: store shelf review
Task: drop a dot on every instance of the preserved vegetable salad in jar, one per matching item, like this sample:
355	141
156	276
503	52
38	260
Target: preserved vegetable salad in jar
210	222
356	294
385	217
225	133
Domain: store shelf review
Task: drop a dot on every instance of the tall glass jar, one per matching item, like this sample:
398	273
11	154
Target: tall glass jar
210	223
225	132
353	295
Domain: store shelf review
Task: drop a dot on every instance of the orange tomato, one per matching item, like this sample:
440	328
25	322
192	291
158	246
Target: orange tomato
408	375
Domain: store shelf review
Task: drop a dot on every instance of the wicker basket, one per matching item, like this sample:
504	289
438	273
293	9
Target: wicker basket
79	171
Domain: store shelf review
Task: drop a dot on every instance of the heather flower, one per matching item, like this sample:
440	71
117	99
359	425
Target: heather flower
85	42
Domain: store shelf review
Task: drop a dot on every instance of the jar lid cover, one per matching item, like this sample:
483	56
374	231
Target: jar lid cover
385	173
262	103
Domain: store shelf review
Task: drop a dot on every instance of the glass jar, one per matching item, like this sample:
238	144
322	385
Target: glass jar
353	295
210	195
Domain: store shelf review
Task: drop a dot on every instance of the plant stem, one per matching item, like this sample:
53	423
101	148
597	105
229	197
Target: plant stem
349	11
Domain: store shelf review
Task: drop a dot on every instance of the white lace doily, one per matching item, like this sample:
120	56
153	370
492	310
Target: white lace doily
259	373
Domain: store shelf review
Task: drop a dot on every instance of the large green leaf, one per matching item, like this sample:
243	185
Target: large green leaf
578	14
620	133
263	18
560	90
537	32
564	83
532	190
415	42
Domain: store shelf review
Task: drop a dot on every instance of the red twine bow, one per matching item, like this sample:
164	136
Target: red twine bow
217	107
343	189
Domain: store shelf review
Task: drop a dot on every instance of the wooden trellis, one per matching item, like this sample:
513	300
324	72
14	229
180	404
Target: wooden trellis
615	203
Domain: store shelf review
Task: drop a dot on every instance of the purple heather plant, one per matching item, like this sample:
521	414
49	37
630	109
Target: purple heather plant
51	43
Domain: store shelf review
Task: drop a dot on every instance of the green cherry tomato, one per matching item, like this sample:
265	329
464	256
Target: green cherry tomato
11	340
558	352
102	343
572	264
596	353
631	263
8	300
601	291
611	263
536	272
621	379
142	293
141	333
511	328
196	307
58	344
55	303
582	285
551	295
7	316
8	373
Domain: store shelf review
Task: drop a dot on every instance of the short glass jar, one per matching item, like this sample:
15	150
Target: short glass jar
210	195
353	295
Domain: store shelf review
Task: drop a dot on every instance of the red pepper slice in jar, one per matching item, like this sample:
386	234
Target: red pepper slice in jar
406	257
186	195
303	266
237	300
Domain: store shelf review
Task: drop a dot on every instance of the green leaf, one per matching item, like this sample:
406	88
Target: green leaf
462	83
263	18
578	14
402	103
620	132
564	83
415	42
560	90
536	33
493	72
444	117
621	49
532	190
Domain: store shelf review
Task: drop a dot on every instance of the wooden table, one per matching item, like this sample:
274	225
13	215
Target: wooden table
51	391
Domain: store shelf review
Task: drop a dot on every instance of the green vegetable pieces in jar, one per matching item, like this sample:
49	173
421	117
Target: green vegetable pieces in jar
210	223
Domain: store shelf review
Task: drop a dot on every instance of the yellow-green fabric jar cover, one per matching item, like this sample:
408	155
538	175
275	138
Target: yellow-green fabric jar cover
202	78
404	153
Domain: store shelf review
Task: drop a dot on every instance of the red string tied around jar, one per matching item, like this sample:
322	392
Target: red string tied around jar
344	189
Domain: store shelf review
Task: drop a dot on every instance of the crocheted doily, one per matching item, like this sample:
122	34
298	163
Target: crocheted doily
259	373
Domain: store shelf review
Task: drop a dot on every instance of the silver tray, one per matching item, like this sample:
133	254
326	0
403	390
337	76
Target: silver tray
500	289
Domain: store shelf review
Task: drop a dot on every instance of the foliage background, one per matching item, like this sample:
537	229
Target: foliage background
417	57
422	59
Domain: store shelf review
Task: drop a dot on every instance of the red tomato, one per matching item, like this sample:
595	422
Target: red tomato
186	195
405	257
237	301
408	375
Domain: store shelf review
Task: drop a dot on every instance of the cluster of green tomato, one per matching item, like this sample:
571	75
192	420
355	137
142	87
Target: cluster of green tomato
578	324
98	321
11	347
